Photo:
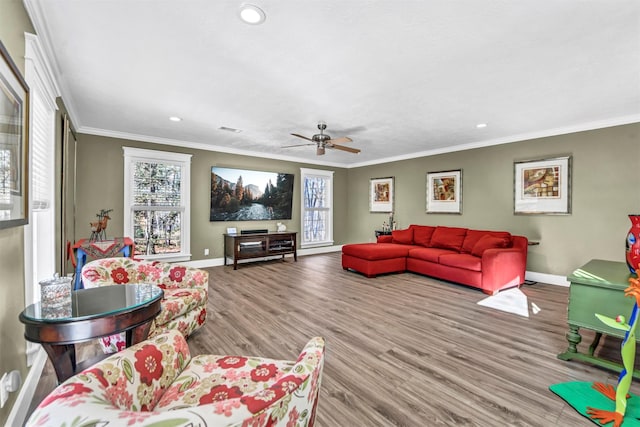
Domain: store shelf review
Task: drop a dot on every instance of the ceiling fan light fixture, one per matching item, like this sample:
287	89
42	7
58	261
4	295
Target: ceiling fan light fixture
252	14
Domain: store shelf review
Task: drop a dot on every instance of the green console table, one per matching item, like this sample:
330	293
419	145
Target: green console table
597	287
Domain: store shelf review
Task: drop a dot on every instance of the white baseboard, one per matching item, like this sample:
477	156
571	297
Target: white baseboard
20	409
320	250
551	279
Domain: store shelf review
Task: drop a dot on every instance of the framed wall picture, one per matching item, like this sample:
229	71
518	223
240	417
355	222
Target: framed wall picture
14	143
381	194
543	186
444	192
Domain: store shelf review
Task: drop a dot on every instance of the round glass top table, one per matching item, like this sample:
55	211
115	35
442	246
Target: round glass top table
89	314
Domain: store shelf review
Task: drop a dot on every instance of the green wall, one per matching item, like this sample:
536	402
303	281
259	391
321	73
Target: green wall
605	189
14	22
100	185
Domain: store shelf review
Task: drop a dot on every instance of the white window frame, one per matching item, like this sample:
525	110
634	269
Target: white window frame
318	173
133	155
39	233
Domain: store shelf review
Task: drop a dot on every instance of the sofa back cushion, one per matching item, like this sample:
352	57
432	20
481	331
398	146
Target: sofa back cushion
473	236
448	237
404	237
422	234
488	242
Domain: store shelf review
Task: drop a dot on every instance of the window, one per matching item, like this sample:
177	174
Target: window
39	233
156	203
317	207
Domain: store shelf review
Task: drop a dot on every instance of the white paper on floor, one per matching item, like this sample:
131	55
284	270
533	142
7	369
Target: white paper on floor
512	301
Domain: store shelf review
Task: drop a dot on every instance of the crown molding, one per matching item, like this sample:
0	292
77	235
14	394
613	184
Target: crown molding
201	146
600	124
34	10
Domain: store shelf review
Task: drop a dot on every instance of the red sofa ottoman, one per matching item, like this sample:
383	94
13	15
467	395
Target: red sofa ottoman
372	259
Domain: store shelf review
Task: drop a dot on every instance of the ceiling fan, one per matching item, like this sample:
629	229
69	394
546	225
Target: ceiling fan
322	141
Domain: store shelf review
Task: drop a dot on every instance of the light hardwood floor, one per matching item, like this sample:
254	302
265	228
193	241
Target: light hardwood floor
402	349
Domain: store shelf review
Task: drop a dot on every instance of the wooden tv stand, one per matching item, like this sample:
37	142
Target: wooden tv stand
259	245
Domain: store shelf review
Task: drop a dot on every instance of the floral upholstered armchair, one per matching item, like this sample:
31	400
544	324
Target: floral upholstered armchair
157	383
184	305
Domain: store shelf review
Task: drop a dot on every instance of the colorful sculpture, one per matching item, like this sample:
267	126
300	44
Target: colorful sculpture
632	243
628	349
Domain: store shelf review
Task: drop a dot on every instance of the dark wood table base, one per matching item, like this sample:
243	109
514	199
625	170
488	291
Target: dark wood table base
59	336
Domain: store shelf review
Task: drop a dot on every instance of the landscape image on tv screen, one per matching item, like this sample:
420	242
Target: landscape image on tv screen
247	195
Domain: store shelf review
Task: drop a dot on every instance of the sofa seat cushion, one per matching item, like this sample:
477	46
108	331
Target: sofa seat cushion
212	378
376	251
179	301
430	254
464	261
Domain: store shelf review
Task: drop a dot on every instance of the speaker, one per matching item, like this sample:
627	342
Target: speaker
259	231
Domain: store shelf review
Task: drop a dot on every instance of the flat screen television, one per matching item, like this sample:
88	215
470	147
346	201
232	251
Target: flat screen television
249	195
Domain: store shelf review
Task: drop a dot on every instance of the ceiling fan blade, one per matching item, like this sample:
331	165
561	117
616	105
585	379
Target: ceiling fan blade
343	148
342	140
297	145
302	136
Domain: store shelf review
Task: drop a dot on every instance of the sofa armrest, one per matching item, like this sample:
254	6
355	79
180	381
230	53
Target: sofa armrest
385	238
503	268
296	392
175	276
121	270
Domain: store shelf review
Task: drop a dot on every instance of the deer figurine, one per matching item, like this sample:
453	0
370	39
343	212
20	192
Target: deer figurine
99	227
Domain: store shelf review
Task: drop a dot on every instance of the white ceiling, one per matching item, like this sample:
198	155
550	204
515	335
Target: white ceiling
401	78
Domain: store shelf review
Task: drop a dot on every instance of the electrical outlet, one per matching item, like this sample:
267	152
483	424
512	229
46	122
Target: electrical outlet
9	383
206	252
4	393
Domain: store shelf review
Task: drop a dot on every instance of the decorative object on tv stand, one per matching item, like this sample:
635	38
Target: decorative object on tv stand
99	227
543	186
632	244
281	227
381	194
444	192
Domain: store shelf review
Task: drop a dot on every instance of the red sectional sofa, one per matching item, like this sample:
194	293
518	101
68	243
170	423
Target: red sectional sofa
489	260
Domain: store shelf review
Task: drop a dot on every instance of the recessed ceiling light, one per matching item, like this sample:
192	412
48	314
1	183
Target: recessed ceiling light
175	119
230	129
481	125
252	14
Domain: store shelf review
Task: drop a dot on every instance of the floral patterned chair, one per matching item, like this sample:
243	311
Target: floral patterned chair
158	383
184	306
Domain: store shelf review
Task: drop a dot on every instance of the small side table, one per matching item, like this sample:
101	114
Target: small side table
596	287
382	233
91	313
